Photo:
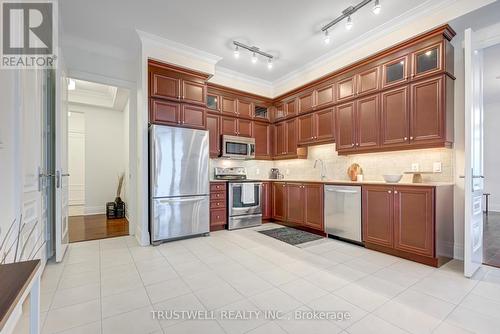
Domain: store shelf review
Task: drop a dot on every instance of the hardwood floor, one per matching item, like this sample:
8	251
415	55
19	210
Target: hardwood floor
491	239
84	228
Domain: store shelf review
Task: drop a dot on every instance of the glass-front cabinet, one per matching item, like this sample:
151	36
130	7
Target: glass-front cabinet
213	102
395	71
427	61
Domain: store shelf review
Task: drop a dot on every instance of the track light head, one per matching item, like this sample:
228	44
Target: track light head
377	7
236	52
326	38
269	64
254	58
348	24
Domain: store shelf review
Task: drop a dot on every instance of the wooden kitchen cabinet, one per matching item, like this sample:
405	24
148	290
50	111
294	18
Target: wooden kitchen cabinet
193	117
414	220
236	127
395	72
295	204
279	196
428	61
177	114
228	105
395	117
262	135
214	139
368	81
324	96
313	212
306	102
378	215
267	205
291	137
194	92
317	127
245	127
346	89
179	84
245	108
345	125
426	114
218	206
280	139
367	122
213	102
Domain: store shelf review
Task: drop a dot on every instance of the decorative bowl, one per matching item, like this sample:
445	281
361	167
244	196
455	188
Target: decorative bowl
392	178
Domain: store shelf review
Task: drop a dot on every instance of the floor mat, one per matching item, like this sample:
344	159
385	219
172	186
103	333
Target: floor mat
290	235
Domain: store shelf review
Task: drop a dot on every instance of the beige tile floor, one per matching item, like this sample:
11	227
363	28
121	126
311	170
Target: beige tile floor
110	286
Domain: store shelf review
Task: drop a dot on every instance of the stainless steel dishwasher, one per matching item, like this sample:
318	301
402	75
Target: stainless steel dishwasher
343	212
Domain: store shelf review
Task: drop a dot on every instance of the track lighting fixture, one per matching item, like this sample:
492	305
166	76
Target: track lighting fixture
326	38
255	53
254	58
347	13
269	64
348	23
376	7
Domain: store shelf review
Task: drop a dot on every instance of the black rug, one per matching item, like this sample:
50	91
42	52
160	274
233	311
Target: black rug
290	235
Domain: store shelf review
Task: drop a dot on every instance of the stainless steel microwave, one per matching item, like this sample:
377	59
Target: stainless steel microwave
234	147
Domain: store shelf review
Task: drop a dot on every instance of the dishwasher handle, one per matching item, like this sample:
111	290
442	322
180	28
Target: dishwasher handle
344	191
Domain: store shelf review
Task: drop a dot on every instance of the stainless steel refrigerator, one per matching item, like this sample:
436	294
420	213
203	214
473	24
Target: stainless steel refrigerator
179	183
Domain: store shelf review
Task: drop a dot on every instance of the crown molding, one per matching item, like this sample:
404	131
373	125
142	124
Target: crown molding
242	82
177	47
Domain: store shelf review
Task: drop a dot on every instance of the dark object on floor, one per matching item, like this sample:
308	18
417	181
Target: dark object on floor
91	227
290	235
116	209
486	199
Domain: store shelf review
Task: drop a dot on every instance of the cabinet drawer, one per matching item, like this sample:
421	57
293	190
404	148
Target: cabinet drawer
217	204
218	217
217	195
217	186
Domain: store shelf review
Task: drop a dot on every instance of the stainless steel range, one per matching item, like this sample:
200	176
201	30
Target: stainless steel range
244	197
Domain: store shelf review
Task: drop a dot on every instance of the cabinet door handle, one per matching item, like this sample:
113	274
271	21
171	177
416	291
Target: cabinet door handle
411	138
389	191
406	138
395	191
353	145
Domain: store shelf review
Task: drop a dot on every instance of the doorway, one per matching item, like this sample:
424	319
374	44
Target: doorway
491	99
98	160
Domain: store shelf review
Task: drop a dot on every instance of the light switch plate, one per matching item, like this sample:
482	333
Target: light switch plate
415	167
437	167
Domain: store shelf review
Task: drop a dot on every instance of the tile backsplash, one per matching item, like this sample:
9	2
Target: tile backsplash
374	164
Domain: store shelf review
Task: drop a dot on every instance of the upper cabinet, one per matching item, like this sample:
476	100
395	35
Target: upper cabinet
213	102
178	84
306	102
317	127
367	81
395	72
346	89
228	105
324	96
428	60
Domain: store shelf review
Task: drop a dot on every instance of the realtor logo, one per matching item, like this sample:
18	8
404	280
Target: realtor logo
29	34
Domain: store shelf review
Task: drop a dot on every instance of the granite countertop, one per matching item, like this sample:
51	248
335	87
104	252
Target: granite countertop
352	183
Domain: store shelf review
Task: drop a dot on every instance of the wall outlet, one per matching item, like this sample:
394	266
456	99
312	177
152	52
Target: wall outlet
415	167
257	171
287	171
437	167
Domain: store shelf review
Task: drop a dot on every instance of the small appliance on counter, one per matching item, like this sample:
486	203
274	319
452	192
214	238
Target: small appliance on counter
244	197
275	174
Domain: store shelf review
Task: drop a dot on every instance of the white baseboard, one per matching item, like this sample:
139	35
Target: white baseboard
95	210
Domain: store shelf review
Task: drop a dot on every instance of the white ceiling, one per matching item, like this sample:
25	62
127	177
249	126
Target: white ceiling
491	83
99	95
290	30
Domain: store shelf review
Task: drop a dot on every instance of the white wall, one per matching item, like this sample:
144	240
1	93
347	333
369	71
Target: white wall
126	155
104	155
76	163
491	156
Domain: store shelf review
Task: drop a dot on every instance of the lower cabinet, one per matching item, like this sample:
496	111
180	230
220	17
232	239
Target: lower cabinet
218	206
266	201
299	204
401	220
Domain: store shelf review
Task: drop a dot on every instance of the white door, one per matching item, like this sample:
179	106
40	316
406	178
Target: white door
61	163
474	183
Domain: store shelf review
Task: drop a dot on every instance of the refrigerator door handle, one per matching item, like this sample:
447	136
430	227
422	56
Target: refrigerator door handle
182	199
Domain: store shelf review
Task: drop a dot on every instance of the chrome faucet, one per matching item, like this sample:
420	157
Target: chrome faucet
323	168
